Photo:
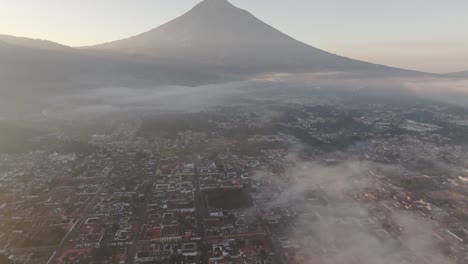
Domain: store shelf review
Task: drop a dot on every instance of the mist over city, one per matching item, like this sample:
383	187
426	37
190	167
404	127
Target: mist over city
233	132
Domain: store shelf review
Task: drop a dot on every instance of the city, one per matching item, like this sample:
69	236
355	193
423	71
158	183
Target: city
233	132
244	185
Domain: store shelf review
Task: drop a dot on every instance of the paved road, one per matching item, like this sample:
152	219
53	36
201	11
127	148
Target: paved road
272	239
202	212
141	219
74	229
31	249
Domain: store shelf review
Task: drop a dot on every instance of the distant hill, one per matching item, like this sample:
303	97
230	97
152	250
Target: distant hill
33	43
29	71
459	74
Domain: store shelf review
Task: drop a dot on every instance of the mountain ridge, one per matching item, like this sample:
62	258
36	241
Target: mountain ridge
459	74
33	71
33	43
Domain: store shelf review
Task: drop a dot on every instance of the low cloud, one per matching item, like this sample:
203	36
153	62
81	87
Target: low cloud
104	101
347	229
449	90
306	87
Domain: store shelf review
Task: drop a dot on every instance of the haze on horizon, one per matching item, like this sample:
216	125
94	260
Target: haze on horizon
397	33
182	132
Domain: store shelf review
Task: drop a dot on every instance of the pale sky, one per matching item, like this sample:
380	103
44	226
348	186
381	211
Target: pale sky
429	35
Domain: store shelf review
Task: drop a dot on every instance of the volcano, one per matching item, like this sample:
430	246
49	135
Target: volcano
212	43
218	35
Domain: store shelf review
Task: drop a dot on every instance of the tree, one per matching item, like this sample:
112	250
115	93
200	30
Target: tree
4	260
103	253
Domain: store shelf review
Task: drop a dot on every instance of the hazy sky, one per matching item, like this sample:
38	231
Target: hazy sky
426	35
